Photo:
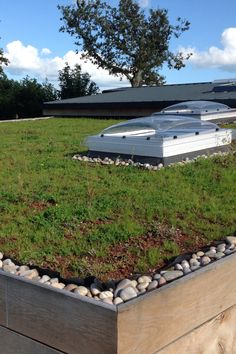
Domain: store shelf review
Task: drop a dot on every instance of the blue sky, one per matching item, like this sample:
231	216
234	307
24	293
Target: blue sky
30	37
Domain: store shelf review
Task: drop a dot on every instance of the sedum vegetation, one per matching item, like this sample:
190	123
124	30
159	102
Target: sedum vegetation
83	219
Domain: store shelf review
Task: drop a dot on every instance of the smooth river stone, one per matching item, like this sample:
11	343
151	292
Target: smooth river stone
205	260
194	256
10	268
156	276
95	289
133	283
229	251
128	293
1	255
0	263
221	247
142	286
7	261
185	264
107	300
117	301
22	269
186	270
122	285
141	292
89	294
81	290
45	278
161	281
178	266
173	274
219	255
194	262
200	253
231	240
70	287
106	294
210	254
144	279
54	280
30	274
152	285
58	285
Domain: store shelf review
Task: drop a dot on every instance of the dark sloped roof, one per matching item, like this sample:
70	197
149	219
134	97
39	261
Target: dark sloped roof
180	92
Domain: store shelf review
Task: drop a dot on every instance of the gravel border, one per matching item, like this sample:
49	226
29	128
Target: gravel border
117	292
145	166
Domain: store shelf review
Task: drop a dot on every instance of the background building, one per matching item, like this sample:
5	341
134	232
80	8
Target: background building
137	102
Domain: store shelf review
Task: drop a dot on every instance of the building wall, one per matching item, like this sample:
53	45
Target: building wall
118	112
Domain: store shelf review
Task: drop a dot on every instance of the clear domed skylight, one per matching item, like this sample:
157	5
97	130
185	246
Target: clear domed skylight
195	107
162	125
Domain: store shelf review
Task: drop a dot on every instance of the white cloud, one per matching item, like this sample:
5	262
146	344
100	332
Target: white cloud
27	60
222	58
45	51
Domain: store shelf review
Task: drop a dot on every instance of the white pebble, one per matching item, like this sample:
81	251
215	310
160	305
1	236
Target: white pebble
152	285
107	300
58	285
70	287
7	261
185	264
205	260
186	270
54	280
142	286
118	301
156	276
95	289
45	278
81	290
144	279
105	294
161	281
200	253
128	293
178	266
30	274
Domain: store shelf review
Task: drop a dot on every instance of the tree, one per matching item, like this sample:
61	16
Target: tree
3	60
74	83
8	90
31	95
23	99
123	39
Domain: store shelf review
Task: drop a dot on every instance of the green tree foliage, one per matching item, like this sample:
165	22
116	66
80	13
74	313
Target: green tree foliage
123	39
31	95
23	99
8	91
74	83
3	60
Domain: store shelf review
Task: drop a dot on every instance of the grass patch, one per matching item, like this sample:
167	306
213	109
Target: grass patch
71	216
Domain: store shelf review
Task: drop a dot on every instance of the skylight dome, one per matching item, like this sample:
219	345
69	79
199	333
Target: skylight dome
159	138
204	110
159	125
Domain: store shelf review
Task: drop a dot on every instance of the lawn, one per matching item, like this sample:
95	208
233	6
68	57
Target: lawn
105	221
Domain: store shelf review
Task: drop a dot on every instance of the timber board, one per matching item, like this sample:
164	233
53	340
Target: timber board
15	343
58	318
152	321
215	336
